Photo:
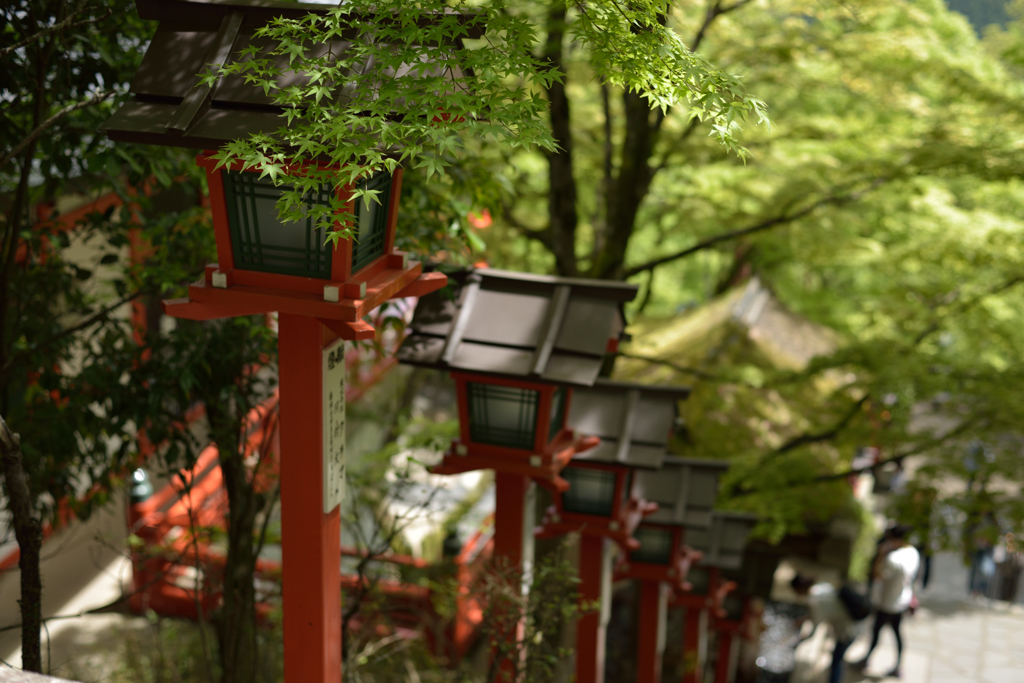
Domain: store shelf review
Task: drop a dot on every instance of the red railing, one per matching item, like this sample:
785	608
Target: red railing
176	566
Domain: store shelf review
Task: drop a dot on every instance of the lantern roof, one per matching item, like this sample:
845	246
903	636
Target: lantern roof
633	421
518	325
170	107
685	490
724	540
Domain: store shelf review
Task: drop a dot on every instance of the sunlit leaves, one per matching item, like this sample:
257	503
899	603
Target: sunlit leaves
632	47
367	86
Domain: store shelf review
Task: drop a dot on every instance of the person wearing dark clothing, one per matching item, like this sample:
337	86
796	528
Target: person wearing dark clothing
982	536
926	565
826	607
1010	568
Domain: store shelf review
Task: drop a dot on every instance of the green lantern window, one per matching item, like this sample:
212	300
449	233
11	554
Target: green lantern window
502	416
371	233
261	242
700	579
655	546
733	606
591	491
557	412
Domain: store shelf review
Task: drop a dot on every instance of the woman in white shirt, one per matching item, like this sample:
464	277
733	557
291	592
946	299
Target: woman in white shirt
893	591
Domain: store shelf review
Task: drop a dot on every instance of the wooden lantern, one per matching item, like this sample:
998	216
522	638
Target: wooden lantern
634	423
518	347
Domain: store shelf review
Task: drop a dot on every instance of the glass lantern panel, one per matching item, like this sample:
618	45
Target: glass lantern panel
371	234
591	491
655	546
557	412
260	241
700	579
733	606
502	416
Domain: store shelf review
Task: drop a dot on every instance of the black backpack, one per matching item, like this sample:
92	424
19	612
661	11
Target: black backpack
857	605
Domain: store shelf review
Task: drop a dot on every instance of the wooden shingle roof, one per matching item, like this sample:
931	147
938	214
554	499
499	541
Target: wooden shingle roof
168	107
685	490
517	325
633	421
724	540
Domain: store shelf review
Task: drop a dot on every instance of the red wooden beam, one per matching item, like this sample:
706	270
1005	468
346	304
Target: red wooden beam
650	632
590	634
310	539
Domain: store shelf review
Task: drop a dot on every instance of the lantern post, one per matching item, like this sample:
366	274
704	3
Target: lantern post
699	602
721	544
519	348
321	290
684	489
728	623
634	423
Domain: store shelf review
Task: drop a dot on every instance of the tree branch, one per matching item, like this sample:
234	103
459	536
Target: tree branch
936	325
700	374
803	440
68	23
822	478
96	98
753	229
714	11
683	137
88	322
827	435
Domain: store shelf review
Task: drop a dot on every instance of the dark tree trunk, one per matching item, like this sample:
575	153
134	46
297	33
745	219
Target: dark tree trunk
620	196
740	270
237	632
562	213
237	620
628	188
28	529
28	526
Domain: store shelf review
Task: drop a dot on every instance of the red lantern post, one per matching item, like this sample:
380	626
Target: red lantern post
684	491
519	347
321	290
721	544
634	423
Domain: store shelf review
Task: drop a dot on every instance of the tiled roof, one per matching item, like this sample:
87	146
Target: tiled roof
684	489
633	421
518	325
724	540
168	106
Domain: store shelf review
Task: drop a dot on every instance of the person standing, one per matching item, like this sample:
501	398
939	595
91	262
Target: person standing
894	572
1010	568
827	608
982	535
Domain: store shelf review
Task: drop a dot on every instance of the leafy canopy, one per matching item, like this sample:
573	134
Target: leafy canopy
888	196
366	88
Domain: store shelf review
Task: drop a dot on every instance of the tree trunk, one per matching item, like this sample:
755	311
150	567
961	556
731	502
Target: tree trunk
562	215
238	644
28	529
629	187
236	628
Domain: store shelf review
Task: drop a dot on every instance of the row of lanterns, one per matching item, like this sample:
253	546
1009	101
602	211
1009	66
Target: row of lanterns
525	353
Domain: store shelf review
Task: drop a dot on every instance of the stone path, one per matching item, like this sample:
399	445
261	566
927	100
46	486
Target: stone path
951	639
